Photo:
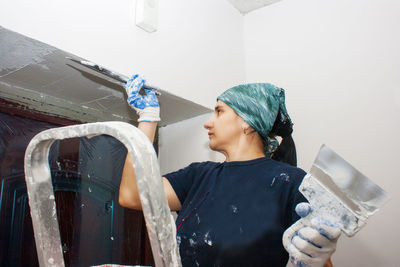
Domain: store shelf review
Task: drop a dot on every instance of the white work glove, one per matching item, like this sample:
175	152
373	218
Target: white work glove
146	106
310	245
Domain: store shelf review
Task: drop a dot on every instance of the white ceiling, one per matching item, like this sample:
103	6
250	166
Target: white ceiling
245	6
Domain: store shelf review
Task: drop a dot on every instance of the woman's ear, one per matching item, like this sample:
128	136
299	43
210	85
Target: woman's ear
247	129
244	126
250	130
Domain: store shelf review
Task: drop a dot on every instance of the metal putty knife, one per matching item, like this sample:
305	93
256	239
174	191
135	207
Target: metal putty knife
112	74
340	193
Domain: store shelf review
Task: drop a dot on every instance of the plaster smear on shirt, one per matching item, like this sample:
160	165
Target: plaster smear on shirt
207	239
283	176
234	209
198	218
192	243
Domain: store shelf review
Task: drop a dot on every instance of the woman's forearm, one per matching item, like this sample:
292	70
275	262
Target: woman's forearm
128	191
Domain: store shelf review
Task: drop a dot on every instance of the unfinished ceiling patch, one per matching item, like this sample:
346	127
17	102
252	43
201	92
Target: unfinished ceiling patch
42	78
20	51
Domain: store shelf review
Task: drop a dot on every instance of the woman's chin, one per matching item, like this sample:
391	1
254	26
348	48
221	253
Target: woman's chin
212	146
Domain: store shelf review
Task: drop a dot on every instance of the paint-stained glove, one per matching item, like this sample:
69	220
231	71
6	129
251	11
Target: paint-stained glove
146	106
312	245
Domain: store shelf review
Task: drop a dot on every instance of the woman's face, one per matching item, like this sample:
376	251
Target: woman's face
224	127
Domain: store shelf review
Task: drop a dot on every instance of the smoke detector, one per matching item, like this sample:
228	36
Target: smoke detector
245	6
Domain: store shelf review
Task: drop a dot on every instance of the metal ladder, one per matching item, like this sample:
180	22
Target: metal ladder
159	221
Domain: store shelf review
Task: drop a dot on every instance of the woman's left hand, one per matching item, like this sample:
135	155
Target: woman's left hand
312	245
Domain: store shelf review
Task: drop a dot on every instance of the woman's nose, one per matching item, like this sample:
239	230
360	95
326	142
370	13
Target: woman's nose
208	124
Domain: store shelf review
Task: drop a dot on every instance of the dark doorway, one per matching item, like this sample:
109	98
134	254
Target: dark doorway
86	174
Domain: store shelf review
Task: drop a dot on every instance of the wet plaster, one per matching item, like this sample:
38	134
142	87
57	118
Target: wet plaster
40	76
20	51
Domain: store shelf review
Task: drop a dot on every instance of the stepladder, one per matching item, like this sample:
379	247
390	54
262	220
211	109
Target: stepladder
159	221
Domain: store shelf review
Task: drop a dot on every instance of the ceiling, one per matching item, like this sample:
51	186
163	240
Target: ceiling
245	6
40	76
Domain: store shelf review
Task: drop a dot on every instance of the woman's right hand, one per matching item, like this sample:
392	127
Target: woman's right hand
146	106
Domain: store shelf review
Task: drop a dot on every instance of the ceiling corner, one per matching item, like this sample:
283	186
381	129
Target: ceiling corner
246	6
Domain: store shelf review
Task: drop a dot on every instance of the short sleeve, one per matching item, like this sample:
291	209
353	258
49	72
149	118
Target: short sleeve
297	197
182	180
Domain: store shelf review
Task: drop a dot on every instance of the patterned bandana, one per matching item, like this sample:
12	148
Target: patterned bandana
258	104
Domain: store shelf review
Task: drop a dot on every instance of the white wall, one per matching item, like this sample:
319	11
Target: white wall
183	143
196	53
339	62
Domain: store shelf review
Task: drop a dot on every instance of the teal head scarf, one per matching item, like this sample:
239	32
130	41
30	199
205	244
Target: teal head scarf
258	104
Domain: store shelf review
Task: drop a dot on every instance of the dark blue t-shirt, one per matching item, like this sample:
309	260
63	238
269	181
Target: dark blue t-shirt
235	213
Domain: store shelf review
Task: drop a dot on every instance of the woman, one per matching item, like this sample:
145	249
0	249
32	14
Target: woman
234	213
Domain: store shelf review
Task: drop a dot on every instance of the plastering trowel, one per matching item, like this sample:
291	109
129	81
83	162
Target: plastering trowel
339	193
112	74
